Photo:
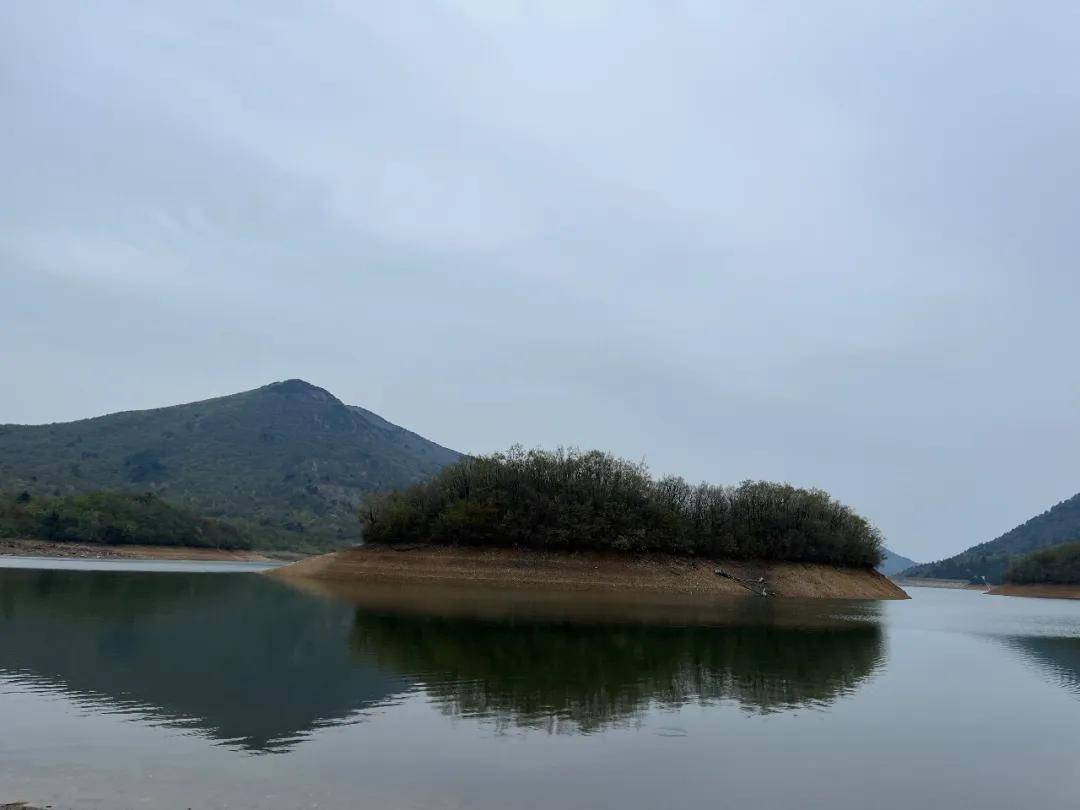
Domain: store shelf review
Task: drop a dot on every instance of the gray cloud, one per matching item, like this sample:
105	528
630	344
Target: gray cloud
829	244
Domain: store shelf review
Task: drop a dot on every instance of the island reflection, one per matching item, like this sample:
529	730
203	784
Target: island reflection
578	662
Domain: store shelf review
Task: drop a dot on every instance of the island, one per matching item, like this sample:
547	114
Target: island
570	520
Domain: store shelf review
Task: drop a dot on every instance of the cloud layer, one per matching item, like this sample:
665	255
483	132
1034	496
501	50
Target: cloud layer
834	244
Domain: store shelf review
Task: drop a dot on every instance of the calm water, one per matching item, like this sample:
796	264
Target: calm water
123	689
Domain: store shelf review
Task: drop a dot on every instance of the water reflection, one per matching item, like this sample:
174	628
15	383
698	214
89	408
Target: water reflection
1057	658
252	663
567	676
577	662
236	657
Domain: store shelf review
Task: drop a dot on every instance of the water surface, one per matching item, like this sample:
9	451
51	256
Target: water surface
166	689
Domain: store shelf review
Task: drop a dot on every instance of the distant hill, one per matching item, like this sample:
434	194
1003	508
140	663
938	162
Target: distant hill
289	461
894	563
1057	525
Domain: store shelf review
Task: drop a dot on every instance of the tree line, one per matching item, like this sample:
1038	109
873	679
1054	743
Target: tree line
114	518
572	500
1057	565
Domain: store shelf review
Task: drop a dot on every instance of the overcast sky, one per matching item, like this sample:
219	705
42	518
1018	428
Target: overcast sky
829	243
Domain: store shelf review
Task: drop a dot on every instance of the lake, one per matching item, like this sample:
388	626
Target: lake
199	689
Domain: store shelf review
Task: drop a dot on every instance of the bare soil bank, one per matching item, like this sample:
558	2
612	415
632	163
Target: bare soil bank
588	571
928	582
20	547
1040	591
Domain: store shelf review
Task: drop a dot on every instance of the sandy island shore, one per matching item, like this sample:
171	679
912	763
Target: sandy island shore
588	571
1037	591
20	547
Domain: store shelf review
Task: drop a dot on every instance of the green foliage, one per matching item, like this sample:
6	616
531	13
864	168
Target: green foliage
991	559
572	501
115	518
1056	564
289	462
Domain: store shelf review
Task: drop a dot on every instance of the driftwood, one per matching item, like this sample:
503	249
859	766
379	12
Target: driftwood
757	587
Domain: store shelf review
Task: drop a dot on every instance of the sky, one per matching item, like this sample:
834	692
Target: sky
834	244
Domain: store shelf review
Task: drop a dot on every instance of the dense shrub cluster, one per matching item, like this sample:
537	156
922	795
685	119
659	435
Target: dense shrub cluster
573	500
1056	564
114	518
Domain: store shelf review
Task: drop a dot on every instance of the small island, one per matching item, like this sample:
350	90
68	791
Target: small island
1052	572
588	521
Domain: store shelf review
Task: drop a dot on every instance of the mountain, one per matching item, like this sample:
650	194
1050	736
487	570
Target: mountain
1057	525
289	461
894	563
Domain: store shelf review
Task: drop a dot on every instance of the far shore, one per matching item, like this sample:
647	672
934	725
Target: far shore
590	571
24	547
929	582
1040	591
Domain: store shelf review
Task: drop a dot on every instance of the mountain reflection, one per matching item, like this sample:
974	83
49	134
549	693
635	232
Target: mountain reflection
1057	658
577	674
236	657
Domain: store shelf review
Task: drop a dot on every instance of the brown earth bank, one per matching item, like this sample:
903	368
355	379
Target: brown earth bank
929	582
588	571
21	547
1044	591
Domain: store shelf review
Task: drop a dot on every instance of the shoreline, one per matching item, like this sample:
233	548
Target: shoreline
1037	591
602	572
25	547
930	582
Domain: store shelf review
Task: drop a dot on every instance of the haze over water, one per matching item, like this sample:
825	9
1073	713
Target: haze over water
154	689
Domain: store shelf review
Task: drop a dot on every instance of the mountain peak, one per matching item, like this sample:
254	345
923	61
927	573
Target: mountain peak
300	389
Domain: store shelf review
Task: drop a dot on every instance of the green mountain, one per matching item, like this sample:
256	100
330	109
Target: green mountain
289	461
1057	525
894	563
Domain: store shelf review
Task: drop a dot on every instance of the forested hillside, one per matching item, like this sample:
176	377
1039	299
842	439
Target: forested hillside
289	461
991	559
